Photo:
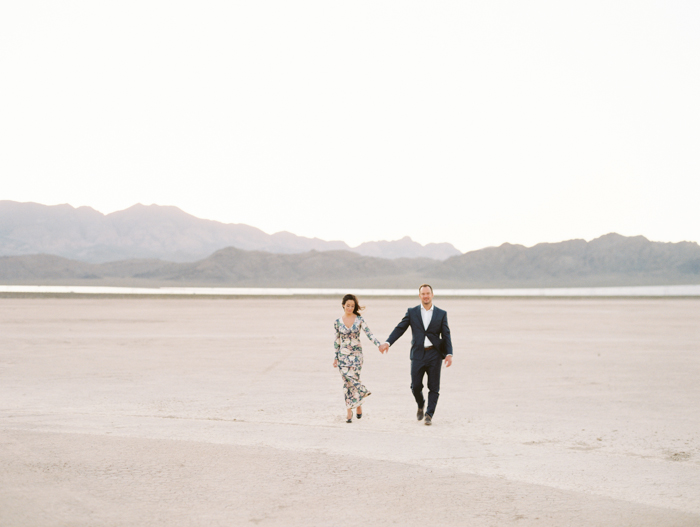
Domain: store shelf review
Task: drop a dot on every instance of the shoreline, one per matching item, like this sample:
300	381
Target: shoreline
672	291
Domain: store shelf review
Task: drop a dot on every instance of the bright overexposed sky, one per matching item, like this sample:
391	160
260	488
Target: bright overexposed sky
474	123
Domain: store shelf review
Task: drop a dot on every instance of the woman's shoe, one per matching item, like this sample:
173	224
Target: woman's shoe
359	416
349	420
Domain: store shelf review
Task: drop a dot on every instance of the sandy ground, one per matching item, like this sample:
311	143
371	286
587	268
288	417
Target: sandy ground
136	412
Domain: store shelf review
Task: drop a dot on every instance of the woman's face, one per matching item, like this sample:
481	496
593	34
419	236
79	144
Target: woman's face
349	307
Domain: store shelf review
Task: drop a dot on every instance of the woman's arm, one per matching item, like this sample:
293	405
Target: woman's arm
369	334
337	342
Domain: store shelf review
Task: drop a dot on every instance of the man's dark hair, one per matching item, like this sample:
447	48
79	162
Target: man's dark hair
425	285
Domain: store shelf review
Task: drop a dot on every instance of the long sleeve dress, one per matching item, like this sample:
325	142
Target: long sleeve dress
348	352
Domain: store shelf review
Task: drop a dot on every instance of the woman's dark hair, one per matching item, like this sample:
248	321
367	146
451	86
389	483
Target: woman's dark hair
354	299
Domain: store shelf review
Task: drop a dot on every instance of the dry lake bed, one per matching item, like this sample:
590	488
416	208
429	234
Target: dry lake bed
220	412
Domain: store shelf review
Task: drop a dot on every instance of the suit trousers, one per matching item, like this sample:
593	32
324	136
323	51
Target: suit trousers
430	363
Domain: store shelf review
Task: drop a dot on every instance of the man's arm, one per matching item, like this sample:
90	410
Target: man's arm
447	339
399	330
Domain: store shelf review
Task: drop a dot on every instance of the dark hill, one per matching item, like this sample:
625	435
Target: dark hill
609	260
227	267
606	261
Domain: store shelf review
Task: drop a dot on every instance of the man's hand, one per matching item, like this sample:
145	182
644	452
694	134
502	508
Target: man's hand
448	361
384	347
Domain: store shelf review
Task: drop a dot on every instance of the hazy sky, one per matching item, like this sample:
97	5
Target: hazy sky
469	122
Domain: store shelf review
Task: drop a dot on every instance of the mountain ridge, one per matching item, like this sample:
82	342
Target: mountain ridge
163	232
610	260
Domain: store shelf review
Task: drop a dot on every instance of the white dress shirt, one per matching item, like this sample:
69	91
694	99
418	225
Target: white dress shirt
427	316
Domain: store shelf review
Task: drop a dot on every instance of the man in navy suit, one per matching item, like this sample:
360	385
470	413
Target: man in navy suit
431	344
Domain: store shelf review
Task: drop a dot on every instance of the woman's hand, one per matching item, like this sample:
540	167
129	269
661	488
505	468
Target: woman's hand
335	363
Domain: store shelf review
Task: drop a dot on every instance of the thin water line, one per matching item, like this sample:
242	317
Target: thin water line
625	291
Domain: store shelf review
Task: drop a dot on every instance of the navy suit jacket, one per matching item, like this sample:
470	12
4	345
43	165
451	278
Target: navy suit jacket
438	332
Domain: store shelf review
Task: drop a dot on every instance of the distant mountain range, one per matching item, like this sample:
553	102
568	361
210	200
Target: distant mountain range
611	260
165	233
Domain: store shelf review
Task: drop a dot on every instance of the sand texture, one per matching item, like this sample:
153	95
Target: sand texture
220	412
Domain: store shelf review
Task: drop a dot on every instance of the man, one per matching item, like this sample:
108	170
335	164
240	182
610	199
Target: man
431	344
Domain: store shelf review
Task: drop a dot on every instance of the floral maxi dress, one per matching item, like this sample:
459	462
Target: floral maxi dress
348	352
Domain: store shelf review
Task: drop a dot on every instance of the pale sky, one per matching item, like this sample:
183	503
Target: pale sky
474	123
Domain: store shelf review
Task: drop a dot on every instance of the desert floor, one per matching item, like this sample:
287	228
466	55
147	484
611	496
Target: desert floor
147	411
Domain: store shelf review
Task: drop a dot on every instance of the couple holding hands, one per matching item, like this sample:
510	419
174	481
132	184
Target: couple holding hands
431	345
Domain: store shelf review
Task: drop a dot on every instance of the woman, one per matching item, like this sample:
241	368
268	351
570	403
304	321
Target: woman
348	353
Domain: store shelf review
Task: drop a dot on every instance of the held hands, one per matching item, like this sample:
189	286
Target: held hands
384	347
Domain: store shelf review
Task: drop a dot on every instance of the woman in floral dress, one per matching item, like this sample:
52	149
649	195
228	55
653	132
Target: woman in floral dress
348	353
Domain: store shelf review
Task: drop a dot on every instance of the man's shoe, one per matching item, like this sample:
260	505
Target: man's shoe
419	415
428	420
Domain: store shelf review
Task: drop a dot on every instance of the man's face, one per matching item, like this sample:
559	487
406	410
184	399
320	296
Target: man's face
426	296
